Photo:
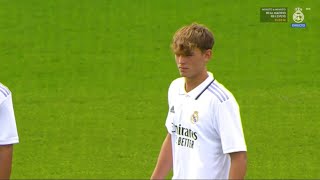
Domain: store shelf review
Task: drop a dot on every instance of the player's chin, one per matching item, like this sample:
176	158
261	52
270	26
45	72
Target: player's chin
183	74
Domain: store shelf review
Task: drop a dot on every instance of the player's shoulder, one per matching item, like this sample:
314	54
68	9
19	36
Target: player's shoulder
4	92
176	84
219	92
175	87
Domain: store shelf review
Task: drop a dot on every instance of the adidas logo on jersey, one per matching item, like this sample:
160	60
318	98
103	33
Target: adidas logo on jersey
172	109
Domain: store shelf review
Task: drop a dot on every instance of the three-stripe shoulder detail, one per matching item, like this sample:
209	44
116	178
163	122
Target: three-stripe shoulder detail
219	92
4	90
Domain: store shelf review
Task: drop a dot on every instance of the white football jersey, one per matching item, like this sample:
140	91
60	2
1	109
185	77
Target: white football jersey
205	126
8	129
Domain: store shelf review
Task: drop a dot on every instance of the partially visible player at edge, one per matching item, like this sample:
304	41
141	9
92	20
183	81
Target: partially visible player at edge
205	139
8	132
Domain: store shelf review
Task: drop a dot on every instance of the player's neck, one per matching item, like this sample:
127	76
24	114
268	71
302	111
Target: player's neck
191	83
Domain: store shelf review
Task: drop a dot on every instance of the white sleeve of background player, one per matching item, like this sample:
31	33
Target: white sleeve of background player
230	127
8	129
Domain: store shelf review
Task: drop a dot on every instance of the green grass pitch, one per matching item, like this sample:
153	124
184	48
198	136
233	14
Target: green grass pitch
90	77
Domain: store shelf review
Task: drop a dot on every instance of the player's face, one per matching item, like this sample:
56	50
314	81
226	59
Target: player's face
193	65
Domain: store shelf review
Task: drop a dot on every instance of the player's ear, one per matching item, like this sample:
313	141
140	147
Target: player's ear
207	54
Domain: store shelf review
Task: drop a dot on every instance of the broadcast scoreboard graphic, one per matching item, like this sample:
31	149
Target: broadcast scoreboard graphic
274	14
281	14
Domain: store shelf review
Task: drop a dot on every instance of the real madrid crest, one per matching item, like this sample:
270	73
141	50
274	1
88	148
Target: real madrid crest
298	16
195	117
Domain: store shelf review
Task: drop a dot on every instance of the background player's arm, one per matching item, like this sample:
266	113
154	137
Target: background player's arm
5	161
238	165
164	164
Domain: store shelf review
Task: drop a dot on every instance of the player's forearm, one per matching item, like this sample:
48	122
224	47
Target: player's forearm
161	171
5	161
238	166
164	163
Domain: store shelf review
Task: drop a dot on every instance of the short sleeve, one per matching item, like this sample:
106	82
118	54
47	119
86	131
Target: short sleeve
229	127
169	119
8	129
169	122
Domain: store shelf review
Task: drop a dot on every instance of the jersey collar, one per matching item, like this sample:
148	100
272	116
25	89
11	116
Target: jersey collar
199	89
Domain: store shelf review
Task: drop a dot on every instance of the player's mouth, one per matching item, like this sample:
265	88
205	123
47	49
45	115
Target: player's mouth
183	68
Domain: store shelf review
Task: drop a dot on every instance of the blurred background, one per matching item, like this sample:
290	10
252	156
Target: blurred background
90	77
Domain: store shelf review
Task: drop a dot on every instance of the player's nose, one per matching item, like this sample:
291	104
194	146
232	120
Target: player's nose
181	59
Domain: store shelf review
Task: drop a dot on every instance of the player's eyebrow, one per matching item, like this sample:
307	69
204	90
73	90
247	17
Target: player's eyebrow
184	52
